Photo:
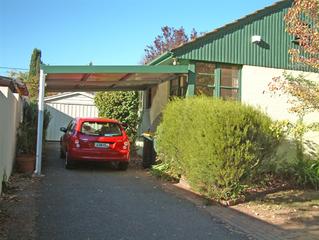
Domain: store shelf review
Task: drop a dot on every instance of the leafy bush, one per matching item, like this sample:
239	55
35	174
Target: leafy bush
122	106
27	132
217	145
296	159
290	167
307	173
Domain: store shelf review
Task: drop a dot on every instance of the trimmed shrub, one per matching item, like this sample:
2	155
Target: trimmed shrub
119	105
217	145
27	131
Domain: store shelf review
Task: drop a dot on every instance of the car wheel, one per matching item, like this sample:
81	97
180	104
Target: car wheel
122	166
68	163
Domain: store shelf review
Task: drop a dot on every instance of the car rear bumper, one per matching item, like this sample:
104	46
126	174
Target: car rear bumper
79	154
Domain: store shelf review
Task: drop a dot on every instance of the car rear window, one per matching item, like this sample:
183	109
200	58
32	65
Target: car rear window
107	129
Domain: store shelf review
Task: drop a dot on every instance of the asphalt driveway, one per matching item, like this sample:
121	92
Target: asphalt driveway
96	202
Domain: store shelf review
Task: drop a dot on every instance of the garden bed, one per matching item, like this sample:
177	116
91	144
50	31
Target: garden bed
289	209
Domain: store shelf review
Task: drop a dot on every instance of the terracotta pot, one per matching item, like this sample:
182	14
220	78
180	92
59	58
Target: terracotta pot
25	163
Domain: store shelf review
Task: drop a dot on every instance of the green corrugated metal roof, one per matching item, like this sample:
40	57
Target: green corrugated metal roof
232	42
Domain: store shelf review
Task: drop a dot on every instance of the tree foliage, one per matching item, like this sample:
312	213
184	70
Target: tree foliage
23	76
34	73
303	93
302	21
27	132
167	40
119	105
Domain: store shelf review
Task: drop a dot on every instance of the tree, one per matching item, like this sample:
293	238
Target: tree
23	76
167	40
34	74
302	21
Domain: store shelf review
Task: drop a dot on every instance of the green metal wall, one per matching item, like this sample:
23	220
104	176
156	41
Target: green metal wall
232	43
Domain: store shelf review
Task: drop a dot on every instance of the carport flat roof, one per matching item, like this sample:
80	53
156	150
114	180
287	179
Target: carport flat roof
108	78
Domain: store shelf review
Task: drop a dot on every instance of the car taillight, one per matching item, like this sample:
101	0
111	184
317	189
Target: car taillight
125	145
76	142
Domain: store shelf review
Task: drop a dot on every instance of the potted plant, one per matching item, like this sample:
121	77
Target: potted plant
27	137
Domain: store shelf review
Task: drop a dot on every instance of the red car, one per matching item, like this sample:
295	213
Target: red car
95	139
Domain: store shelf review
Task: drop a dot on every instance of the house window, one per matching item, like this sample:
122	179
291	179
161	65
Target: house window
205	79
229	82
178	87
218	80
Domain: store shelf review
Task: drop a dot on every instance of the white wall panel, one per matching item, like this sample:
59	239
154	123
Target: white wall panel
64	110
255	91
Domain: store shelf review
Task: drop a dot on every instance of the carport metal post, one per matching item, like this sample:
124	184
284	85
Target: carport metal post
40	124
191	80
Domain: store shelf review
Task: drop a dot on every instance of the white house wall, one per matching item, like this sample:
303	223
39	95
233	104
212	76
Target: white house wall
160	96
10	117
255	91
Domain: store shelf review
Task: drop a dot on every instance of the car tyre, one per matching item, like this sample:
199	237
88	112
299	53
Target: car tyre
122	166
68	162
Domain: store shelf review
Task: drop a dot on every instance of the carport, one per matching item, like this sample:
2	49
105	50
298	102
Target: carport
102	78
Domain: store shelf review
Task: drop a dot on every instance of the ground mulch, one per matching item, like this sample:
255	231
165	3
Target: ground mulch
18	207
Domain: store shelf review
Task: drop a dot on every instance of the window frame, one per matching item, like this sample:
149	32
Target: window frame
213	75
217	87
178	90
220	87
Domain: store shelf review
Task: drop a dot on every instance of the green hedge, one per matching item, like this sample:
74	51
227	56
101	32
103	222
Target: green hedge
122	106
217	145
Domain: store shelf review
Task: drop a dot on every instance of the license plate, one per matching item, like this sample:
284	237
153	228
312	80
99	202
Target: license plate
101	145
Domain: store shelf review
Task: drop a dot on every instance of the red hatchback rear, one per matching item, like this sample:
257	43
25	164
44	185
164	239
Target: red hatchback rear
95	139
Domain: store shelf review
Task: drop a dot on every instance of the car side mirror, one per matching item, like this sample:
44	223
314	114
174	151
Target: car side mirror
63	129
125	125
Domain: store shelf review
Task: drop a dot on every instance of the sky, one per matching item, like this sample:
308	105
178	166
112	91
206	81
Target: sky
104	32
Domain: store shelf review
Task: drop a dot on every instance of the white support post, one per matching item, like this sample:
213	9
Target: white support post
40	124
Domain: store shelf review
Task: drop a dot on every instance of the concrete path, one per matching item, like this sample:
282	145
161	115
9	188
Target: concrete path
96	202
